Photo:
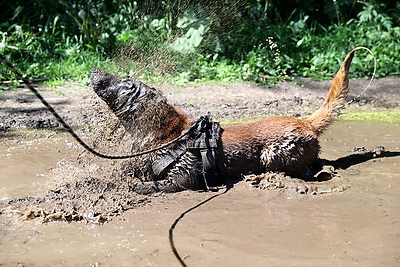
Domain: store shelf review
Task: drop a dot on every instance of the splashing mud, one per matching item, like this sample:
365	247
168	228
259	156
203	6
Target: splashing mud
90	189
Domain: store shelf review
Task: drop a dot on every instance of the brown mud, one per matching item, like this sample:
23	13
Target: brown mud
350	219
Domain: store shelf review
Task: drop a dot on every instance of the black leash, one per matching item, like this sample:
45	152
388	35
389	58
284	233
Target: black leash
74	135
172	228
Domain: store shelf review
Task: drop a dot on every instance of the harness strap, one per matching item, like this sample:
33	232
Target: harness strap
203	138
209	170
207	143
159	166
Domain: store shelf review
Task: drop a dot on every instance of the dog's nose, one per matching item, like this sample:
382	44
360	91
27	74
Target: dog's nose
100	79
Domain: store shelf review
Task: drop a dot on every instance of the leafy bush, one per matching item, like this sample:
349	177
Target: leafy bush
294	48
193	40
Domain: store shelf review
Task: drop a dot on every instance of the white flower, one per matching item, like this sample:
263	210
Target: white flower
82	14
69	51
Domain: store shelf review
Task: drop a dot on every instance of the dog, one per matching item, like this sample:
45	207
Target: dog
279	144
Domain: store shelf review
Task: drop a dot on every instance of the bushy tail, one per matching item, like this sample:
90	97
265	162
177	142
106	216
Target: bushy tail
336	97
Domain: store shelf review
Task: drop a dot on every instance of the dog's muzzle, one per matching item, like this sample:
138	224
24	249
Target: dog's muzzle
120	94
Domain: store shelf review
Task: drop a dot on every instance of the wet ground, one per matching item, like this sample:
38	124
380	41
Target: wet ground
245	225
79	105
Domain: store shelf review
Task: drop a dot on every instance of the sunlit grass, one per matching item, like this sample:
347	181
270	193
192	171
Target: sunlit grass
382	115
387	116
237	121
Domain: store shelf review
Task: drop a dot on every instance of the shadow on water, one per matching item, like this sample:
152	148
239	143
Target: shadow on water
354	159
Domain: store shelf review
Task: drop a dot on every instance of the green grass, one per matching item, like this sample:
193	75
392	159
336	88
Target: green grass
238	121
386	116
66	47
380	115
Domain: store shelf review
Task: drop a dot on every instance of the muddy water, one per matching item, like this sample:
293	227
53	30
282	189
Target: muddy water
244	226
26	159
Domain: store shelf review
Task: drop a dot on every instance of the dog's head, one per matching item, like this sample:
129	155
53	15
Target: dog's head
143	110
123	95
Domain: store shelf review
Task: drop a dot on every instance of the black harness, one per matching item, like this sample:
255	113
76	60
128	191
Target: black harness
203	139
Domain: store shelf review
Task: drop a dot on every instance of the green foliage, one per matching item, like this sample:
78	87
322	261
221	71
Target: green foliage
196	28
388	116
372	30
193	40
39	55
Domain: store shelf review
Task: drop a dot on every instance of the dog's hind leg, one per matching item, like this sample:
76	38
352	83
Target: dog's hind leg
292	153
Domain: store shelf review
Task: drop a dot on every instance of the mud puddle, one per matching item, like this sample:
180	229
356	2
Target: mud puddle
244	226
27	157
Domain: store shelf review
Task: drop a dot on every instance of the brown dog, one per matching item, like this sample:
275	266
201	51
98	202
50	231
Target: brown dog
282	143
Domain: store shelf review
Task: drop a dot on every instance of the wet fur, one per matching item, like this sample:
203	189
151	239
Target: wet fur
281	143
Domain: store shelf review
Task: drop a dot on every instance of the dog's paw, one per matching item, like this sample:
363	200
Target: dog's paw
254	179
326	173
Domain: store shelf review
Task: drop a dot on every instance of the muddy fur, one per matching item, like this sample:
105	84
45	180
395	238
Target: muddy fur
280	144
150	121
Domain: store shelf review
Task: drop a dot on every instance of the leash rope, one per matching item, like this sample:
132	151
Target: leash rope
372	76
74	135
172	228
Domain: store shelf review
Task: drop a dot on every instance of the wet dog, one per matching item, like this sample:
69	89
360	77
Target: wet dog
283	144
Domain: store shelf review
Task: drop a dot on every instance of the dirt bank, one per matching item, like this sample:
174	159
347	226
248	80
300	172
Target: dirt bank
79	106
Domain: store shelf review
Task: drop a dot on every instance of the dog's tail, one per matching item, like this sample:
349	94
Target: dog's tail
336	97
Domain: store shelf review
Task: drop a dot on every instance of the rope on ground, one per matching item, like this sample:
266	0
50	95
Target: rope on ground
372	76
172	228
